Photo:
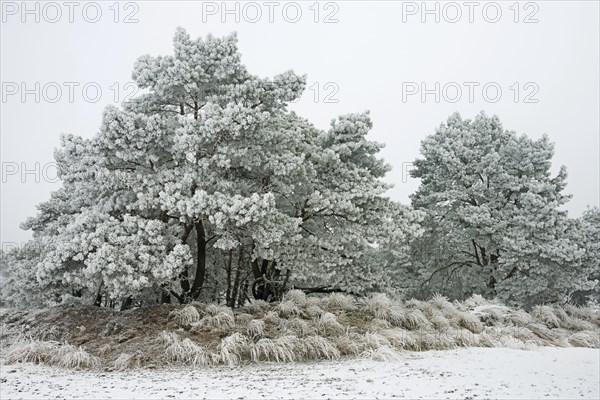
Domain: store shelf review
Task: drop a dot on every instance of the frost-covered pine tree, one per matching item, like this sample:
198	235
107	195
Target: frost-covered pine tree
495	222
207	187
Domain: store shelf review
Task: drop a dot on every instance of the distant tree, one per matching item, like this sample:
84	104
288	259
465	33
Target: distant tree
494	220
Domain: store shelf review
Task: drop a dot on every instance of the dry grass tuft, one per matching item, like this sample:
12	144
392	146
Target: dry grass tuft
288	309
128	361
546	315
384	354
414	319
297	297
185	316
340	301
51	353
382	307
313	311
317	347
299	327
33	351
222	321
272	317
348	345
585	339
328	325
69	356
243	319
232	349
281	349
258	307
255	328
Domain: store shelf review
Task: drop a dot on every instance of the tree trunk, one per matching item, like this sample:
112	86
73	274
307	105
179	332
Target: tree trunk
98	298
201	260
184	275
126	305
228	270
165	298
243	294
238	274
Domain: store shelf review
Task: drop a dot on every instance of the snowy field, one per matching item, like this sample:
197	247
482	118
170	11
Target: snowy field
563	373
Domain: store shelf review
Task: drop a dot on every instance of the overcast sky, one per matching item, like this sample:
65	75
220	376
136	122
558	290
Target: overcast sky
535	65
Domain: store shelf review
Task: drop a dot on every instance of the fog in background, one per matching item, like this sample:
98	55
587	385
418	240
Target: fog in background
357	55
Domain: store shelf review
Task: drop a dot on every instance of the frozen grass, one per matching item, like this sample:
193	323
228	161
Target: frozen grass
127	361
317	348
546	315
281	349
232	349
297	297
288	309
51	353
299	327
221	321
69	356
328	325
384	353
186	315
303	328
255	328
340	301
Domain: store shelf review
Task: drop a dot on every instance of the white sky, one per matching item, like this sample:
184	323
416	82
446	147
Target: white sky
363	61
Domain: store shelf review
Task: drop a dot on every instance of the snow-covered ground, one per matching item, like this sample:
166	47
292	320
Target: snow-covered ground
464	373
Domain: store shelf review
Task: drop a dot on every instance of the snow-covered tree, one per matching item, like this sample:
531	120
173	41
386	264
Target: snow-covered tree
494	219
207	180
